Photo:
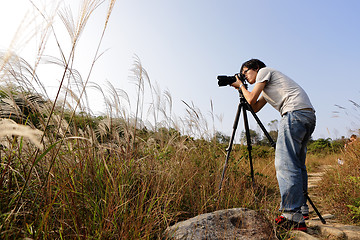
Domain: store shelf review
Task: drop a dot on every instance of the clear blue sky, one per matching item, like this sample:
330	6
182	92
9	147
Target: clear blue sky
185	44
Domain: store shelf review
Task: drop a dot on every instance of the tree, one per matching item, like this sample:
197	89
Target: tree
274	125
265	141
273	132
320	145
254	137
221	138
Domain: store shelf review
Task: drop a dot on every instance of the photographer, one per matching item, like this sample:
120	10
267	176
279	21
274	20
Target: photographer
296	126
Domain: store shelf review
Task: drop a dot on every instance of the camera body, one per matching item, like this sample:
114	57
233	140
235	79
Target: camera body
224	80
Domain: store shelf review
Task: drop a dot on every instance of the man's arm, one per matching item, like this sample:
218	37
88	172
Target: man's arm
252	97
259	104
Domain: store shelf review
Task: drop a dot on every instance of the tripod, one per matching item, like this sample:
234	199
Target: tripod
245	106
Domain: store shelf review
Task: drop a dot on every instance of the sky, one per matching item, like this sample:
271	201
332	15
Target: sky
184	45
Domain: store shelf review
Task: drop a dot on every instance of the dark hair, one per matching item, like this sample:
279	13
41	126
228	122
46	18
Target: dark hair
254	64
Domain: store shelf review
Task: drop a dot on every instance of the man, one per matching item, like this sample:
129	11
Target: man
296	126
351	141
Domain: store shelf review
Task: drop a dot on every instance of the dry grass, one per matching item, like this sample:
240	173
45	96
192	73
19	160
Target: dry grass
340	187
315	163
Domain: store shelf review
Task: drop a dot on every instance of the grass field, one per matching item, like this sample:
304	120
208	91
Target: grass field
65	174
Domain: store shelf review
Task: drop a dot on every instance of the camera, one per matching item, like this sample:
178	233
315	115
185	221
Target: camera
224	80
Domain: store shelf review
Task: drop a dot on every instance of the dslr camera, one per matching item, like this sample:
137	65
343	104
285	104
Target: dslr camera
224	80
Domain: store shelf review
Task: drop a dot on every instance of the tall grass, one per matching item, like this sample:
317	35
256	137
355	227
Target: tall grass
125	175
341	185
340	188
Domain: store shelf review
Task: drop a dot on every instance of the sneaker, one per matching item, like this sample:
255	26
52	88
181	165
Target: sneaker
287	224
305	211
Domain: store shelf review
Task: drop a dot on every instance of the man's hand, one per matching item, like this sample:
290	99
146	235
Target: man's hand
237	83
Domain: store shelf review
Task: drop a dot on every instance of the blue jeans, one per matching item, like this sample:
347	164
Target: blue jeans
294	133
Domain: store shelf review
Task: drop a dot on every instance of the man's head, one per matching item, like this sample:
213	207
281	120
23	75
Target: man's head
250	69
353	138
254	64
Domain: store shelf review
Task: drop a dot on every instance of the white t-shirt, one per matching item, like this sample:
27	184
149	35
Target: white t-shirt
282	92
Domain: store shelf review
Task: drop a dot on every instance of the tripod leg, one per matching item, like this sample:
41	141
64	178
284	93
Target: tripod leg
315	209
249	147
228	150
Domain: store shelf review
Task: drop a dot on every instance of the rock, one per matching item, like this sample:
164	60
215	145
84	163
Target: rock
299	235
236	223
336	230
325	216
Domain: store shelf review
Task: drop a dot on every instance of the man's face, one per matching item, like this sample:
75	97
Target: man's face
250	75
